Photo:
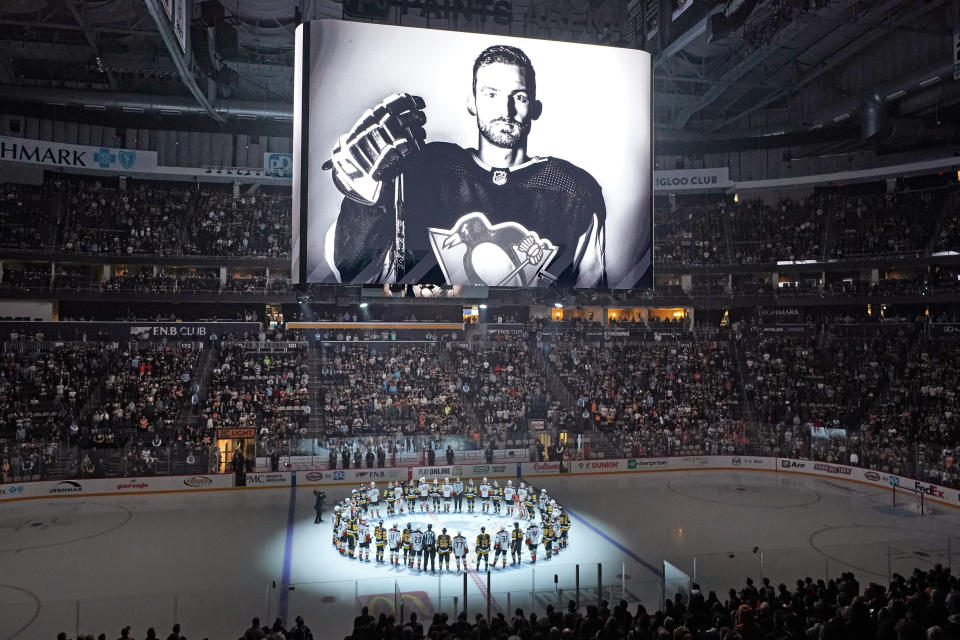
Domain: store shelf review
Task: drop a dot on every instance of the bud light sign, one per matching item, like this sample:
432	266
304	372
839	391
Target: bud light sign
279	165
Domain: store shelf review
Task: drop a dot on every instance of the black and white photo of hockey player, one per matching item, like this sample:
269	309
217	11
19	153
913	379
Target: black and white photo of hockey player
495	215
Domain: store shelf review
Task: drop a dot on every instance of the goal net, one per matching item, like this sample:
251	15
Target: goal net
909	499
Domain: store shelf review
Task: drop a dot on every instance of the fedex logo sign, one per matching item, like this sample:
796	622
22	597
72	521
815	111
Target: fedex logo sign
928	489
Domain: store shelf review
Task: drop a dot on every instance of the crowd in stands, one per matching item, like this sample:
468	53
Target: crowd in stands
666	397
251	225
922	605
266	390
141	219
26	214
393	388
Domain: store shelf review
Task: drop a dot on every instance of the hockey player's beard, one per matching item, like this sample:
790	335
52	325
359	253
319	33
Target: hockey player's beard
504	133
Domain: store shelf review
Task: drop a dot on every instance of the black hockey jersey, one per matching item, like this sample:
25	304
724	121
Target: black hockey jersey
468	223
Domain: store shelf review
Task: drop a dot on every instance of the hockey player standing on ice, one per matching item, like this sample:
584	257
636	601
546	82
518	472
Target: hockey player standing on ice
502	545
530	213
435	495
548	536
373	499
533	541
411	497
424	497
444	547
398	495
521	500
407	545
363	534
391	498
394	540
470	493
458	495
564	527
495	495
516	544
416	543
509	495
483	549
460	550
430	549
485	489
447	490
380	539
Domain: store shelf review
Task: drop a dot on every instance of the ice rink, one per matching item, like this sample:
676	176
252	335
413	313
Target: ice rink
213	560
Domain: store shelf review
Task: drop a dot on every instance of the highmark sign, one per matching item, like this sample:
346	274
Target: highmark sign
75	156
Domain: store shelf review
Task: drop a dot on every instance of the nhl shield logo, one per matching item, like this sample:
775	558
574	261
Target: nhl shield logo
475	252
127	159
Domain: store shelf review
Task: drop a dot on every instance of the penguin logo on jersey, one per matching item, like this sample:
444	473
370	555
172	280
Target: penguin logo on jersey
475	252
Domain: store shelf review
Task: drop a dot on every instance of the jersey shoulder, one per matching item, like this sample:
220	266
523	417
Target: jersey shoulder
562	175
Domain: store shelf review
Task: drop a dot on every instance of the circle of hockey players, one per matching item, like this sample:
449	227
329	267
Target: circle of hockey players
450	526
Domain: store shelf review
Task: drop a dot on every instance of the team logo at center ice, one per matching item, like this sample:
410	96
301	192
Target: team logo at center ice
476	252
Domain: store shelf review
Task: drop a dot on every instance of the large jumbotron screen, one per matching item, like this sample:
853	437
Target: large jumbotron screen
428	156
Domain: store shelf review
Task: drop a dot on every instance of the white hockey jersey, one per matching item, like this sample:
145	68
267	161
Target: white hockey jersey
447	490
398	492
485	491
373	495
533	534
363	532
459	546
394	537
522	493
509	493
424	491
502	540
416	540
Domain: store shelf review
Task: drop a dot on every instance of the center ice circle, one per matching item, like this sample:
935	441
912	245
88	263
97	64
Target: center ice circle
541	538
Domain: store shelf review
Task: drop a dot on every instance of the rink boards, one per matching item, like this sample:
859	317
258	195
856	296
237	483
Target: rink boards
317	478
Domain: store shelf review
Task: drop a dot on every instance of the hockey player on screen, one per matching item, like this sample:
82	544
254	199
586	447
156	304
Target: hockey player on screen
394	540
502	545
460	550
535	220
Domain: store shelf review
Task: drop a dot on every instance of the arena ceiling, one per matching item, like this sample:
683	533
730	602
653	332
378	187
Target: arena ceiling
731	73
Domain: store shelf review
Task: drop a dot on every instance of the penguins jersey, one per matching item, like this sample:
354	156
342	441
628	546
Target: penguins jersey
459	546
483	543
495	493
406	538
444	543
453	204
416	540
470	491
434	490
516	536
394	538
502	540
380	536
411	493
